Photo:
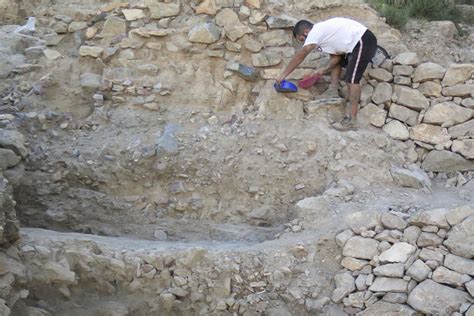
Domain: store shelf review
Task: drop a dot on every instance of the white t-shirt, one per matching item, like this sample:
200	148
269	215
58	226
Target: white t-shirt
336	36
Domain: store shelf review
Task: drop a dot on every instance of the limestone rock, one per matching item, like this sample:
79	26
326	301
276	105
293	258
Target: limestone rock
396	130
344	285
208	7
343	237
393	270
380	75
90	80
159	10
396	298
51	54
428	254
133	14
460	90
353	264
428	71
410	98
430	134
206	33
430	89
443	300
429	239
400	70
361	248
411	234
469	103
403	114
281	22
255	4
8	159
375	114
419	271
457	74
383	284
76	26
386	308
407	59
114	26
274	38
447	112
464	147
92	51
449	277
312	210
435	217
464	129
393	221
265	59
461	239
470	287
360	221
446	161
253	45
459	264
382	93
13	140
229	20
247	73
412	178
457	215
399	252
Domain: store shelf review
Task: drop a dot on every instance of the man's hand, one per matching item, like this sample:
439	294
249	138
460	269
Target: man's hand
317	73
279	79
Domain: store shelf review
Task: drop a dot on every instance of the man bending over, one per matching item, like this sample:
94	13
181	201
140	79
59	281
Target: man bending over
341	38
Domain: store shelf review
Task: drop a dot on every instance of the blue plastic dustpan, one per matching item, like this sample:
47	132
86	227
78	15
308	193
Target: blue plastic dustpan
285	86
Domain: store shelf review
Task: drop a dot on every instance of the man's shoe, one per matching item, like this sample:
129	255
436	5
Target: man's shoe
347	124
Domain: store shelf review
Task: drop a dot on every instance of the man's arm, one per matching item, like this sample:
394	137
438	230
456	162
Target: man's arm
333	61
295	61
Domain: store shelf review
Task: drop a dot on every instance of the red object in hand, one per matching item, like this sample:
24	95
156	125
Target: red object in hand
308	82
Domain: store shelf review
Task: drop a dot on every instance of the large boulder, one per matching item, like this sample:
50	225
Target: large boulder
461	239
448	114
410	98
430	134
433	298
457	73
446	161
428	71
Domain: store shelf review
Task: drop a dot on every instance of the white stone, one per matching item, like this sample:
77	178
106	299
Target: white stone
399	252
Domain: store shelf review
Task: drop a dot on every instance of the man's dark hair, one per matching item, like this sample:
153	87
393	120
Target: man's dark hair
301	26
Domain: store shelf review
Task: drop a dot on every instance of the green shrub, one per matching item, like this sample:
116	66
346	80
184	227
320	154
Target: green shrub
435	10
397	12
394	13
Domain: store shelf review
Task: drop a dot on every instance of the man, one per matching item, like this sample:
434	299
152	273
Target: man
341	38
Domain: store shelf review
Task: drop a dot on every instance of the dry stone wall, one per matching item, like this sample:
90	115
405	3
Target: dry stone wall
394	262
427	104
12	270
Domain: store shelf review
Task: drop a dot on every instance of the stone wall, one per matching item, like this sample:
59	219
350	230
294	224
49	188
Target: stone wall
425	103
12	271
428	104
394	262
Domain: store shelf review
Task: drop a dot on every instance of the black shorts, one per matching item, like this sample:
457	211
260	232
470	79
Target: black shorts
356	62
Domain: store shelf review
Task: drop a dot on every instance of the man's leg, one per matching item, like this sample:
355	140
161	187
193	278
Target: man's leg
354	98
361	55
335	76
336	70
